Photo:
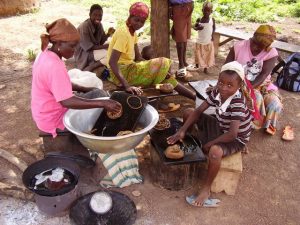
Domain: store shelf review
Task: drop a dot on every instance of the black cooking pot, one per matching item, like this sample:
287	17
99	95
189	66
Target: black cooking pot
38	167
123	211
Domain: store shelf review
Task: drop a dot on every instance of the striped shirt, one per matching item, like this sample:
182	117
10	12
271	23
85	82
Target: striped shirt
236	110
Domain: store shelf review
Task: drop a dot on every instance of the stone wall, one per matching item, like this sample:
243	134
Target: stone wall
13	7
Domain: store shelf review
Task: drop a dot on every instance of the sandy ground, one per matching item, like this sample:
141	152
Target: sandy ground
268	191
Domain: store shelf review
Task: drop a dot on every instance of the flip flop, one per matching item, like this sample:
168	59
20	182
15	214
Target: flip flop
271	130
181	73
288	133
192	68
170	108
208	203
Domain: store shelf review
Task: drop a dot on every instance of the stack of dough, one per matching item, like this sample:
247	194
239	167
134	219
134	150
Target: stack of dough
163	123
165	88
174	152
114	116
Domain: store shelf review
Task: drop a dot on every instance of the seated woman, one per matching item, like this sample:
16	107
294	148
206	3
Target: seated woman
51	93
259	58
91	51
127	68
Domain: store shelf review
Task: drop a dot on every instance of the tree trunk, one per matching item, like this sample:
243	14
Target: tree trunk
160	28
13	7
173	177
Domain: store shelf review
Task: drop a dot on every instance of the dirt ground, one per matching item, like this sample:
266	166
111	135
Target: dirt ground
268	191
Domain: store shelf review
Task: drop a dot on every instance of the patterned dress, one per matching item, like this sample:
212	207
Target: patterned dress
268	99
144	73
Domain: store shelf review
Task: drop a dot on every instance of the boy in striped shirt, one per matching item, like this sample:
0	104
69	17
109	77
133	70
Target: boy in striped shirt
225	134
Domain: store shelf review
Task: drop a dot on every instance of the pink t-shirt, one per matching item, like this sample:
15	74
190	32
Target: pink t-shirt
50	85
253	64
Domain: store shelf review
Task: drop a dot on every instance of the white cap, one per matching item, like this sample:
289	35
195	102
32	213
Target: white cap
236	67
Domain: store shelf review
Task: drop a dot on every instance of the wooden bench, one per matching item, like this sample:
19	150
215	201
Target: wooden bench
65	141
231	34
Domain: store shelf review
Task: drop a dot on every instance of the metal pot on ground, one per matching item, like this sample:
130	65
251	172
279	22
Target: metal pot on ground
53	202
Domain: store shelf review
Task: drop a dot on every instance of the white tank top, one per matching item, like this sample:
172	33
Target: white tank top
204	35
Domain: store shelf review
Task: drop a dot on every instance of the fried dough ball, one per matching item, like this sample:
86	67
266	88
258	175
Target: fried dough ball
174	152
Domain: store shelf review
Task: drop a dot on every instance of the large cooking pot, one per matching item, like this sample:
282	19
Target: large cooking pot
48	164
53	202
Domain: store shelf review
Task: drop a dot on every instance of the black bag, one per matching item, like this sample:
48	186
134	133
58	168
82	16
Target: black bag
289	77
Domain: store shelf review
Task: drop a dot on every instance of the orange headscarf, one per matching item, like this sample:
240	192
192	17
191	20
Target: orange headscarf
59	30
265	35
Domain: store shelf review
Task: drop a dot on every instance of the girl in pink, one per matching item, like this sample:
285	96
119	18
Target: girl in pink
259	58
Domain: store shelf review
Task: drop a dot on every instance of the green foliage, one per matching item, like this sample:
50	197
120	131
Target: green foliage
261	11
34	10
286	1
296	10
31	55
296	31
278	30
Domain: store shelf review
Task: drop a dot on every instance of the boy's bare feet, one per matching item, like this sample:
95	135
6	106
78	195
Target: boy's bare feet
202	196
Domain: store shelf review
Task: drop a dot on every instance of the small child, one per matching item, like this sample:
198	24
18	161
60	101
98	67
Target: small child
204	49
225	134
147	52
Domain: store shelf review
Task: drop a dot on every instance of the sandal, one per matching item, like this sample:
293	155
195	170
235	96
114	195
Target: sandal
192	68
288	133
271	130
181	73
208	203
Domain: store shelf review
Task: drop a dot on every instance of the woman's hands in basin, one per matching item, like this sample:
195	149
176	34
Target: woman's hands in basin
112	106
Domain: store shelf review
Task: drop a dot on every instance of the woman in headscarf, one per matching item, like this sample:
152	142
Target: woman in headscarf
259	58
127	67
52	91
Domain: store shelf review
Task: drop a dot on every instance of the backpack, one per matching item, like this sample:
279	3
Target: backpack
289	77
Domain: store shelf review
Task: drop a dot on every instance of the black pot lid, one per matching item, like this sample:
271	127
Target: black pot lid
123	211
81	160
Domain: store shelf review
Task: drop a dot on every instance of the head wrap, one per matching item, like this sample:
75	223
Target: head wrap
265	35
139	9
246	87
59	30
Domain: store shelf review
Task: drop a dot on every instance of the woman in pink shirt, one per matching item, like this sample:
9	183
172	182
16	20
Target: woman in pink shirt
52	91
259	58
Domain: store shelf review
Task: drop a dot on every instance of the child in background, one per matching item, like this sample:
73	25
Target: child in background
147	52
225	134
204	49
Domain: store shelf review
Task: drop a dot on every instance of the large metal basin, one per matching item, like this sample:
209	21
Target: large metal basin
79	122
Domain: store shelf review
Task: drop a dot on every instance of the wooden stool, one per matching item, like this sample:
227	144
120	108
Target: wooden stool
64	141
173	177
229	174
